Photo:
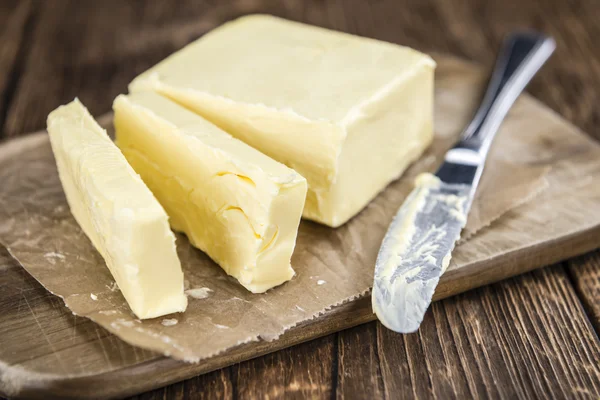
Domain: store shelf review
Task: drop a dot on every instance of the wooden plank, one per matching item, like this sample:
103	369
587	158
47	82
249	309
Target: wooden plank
358	364
301	372
92	50
491	342
475	28
16	22
585	273
508	340
214	385
424	364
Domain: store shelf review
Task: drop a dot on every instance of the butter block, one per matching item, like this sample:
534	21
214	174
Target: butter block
348	113
119	214
234	203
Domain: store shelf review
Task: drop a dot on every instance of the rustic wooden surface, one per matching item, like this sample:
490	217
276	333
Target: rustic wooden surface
531	336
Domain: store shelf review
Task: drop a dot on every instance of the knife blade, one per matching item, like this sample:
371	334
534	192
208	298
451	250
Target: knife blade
417	247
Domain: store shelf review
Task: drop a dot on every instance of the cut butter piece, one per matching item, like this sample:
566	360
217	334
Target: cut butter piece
119	214
348	113
234	203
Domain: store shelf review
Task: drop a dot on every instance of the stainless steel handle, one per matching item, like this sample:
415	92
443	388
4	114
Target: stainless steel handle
522	55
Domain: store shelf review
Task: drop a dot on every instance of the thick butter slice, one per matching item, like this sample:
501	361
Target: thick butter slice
348	113
237	205
118	213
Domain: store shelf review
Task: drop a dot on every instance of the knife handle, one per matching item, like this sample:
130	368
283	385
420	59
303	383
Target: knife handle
521	56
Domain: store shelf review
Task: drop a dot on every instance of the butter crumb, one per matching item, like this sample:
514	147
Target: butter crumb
199	293
113	286
52	256
169	322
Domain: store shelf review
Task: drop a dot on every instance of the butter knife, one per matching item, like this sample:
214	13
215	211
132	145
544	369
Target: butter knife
418	245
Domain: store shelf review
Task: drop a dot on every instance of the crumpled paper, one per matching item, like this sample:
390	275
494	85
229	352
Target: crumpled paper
501	189
333	266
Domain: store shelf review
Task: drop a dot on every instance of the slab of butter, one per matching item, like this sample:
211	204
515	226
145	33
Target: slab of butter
119	214
237	205
348	113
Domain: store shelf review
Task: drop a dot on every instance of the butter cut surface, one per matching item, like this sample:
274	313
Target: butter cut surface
234	203
118	213
348	113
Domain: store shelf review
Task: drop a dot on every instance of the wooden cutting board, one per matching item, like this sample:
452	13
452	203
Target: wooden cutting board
46	351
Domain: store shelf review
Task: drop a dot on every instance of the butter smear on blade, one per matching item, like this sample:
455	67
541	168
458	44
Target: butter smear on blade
119	214
415	251
239	206
348	113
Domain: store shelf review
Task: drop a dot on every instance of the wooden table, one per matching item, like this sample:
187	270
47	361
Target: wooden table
531	336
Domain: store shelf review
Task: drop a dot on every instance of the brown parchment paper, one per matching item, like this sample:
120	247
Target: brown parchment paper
333	266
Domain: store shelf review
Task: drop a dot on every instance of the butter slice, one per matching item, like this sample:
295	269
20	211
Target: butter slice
237	205
348	113
117	212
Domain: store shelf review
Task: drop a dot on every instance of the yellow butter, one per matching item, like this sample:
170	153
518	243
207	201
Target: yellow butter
117	212
348	113
233	202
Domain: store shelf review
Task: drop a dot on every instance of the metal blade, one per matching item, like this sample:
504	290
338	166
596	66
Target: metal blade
416	251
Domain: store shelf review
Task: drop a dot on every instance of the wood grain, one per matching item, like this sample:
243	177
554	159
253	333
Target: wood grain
585	273
93	50
214	385
308	373
15	19
358	363
528	336
514	333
